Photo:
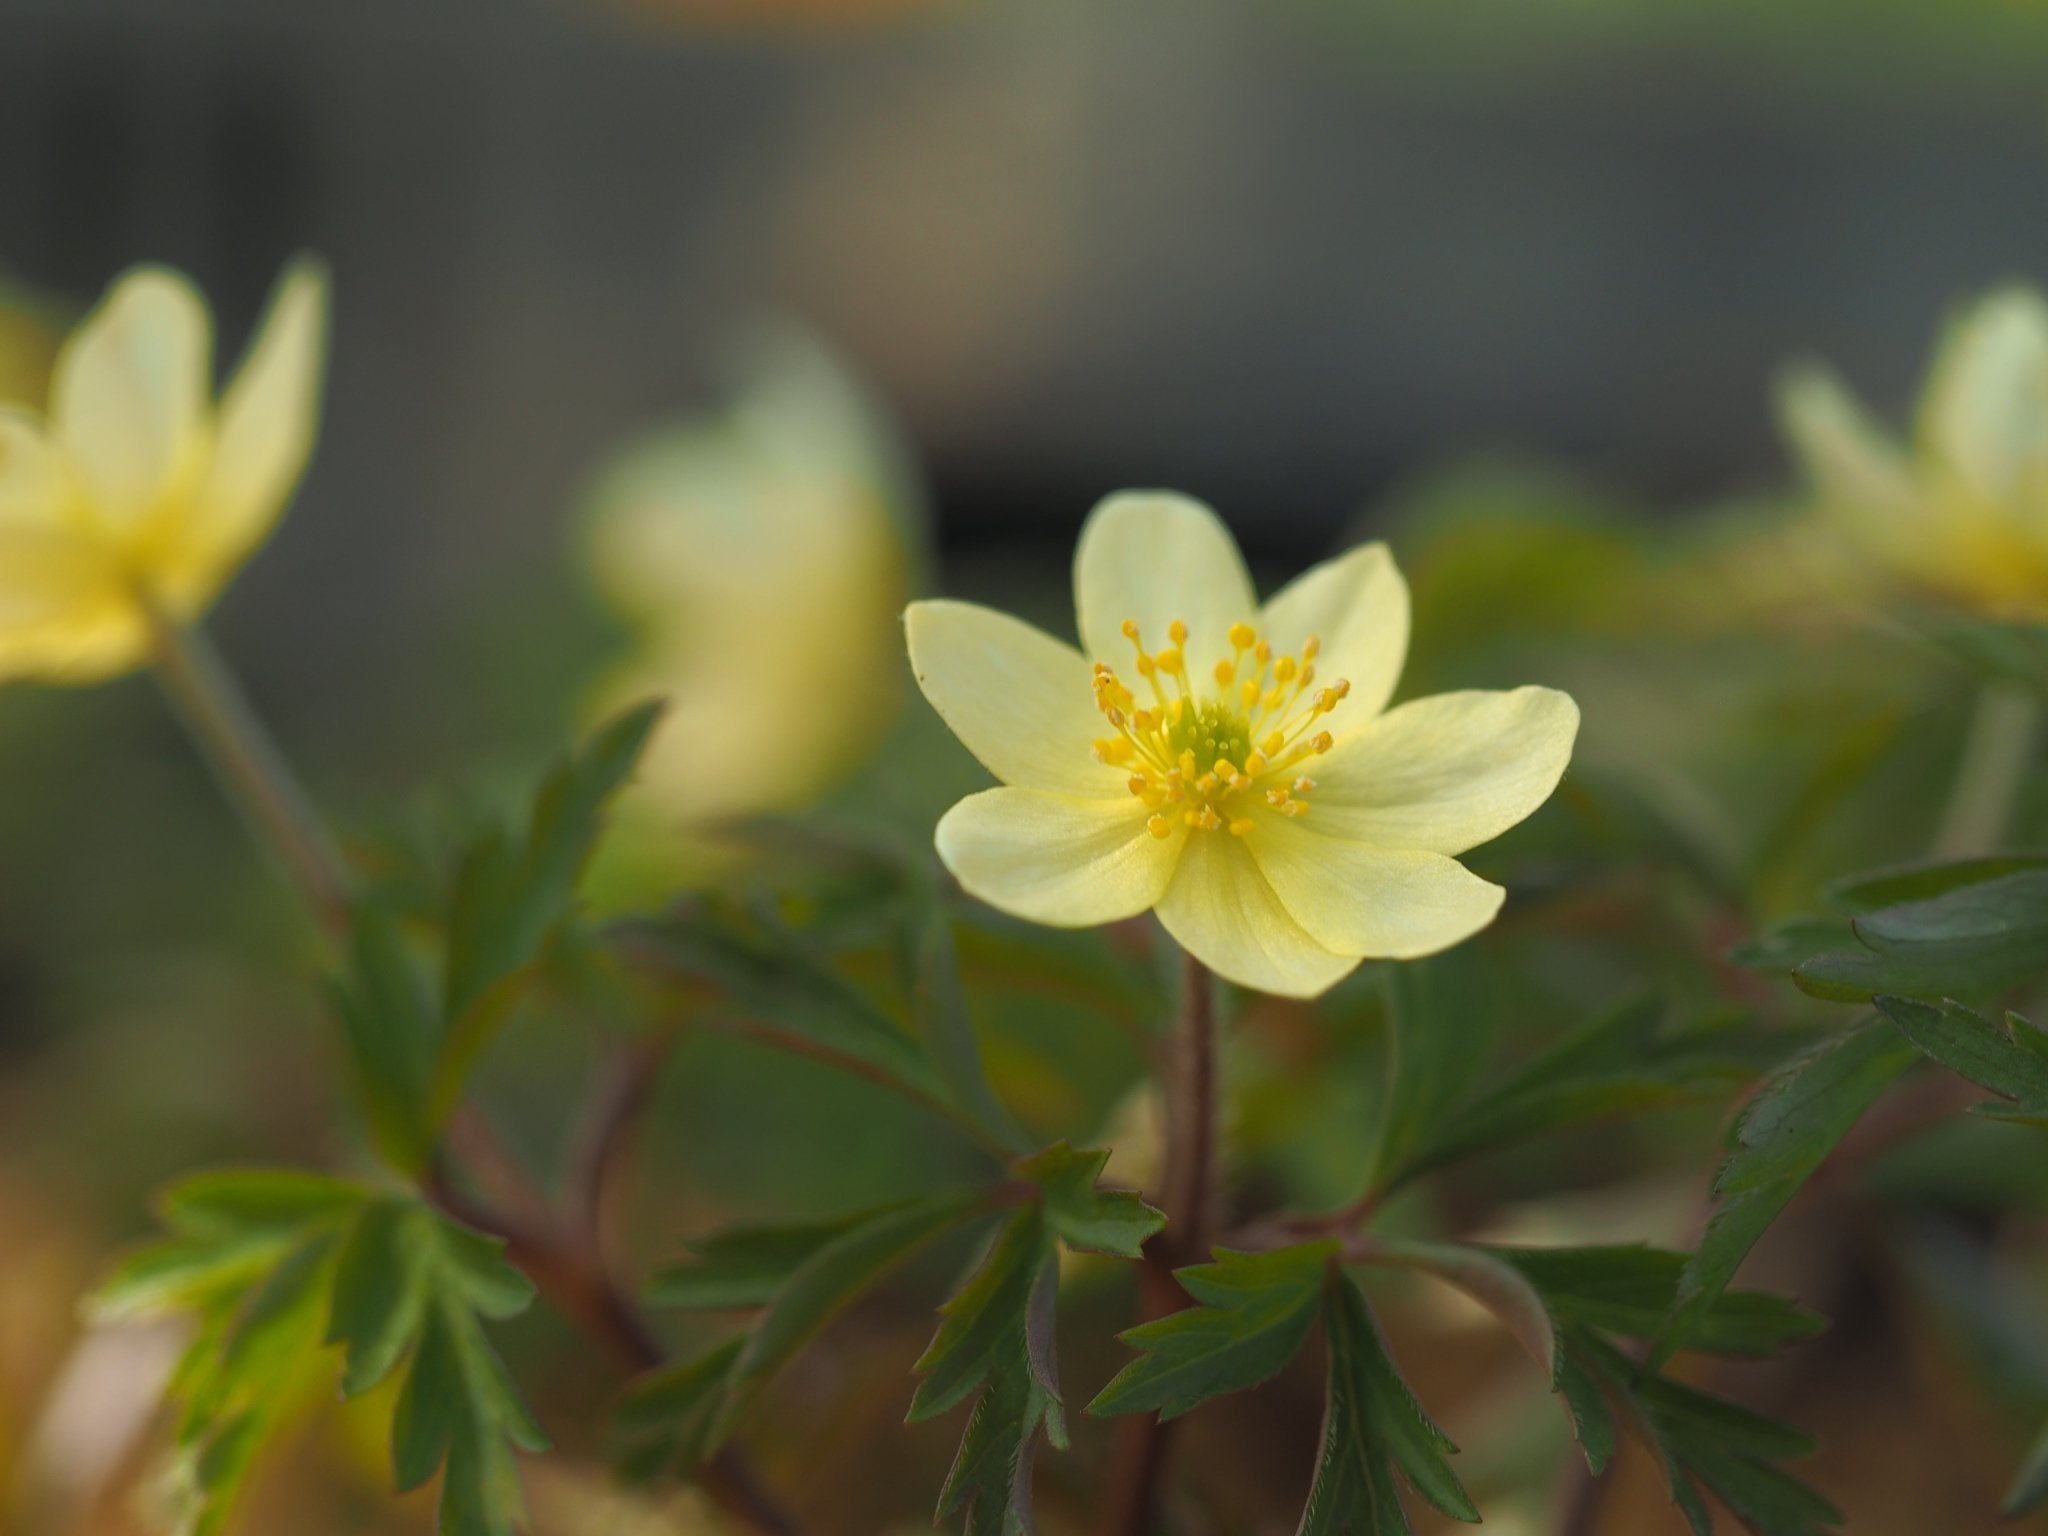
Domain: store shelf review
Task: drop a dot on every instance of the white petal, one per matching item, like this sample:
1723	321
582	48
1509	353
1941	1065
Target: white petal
267	422
1851	460
32	484
1056	860
1018	699
1357	606
129	394
1155	557
1393	904
1985	412
1224	912
1447	772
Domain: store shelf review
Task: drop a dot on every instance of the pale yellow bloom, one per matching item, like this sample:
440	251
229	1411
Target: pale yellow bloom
133	492
1233	766
762	560
1962	510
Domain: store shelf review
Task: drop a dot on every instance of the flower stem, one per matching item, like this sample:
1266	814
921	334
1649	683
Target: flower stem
1989	774
1189	1197
251	771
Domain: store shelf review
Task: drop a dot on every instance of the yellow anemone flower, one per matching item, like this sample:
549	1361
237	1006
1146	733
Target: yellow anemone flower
134	499
1230	765
762	561
1964	511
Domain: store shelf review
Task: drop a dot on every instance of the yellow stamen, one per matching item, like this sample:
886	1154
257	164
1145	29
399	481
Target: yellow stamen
1243	637
1159	826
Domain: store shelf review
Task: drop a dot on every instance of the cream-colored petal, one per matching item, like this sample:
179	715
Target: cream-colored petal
1447	772
32	481
65	612
1393	904
267	422
1852	461
129	395
1223	911
1155	556
1057	860
1985	412
1017	698
1357	607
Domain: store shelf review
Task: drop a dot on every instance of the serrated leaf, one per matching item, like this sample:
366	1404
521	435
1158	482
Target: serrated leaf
776	988
1371	1425
254	1202
473	1264
1898	884
1254	1311
380	1292
1441	1017
1111	1221
740	1266
984	1317
1630	1289
511	897
1992	1056
1972	939
1783	1134
1706	1441
664	1419
830	1281
182	1274
990	1480
1618	1062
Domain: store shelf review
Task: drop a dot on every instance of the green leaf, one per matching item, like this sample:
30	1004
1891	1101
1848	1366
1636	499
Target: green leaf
1997	650
830	1281
510	898
254	1202
1254	1311
1971	939
776	988
1630	1289
1490	1278
2006	1059
1786	1130
381	1286
1619	1062
985	1317
1441	1018
664	1420
1371	1425
741	1266
389	1021
1707	1442
939	1002
1782	947
990	1481
1112	1221
1876	889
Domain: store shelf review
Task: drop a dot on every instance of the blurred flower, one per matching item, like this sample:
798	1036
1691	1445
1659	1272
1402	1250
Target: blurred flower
762	561
27	348
1196	798
1964	510
133	495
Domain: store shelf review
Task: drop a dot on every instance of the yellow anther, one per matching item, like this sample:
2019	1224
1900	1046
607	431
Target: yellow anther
1283	669
1311	648
1324	741
1208	784
1175	708
1130	629
1210	821
1168	661
1342	687
1248	692
1326	700
1116	716
1239	827
1243	637
1187	765
1193	818
1144	720
1226	770
1304	784
1275	744
1159	826
1255	764
1145	667
1226	673
1138	783
1294	808
1276	797
1264	651
1308	675
1177	632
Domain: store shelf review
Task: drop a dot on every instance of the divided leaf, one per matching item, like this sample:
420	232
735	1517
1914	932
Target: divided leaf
1254	1311
1782	1136
1111	1221
1372	1425
2010	1059
1982	927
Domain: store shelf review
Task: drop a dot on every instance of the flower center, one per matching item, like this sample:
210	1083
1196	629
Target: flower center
1206	750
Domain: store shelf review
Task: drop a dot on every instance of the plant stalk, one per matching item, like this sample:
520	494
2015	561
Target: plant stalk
1994	760
1189	1196
252	773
